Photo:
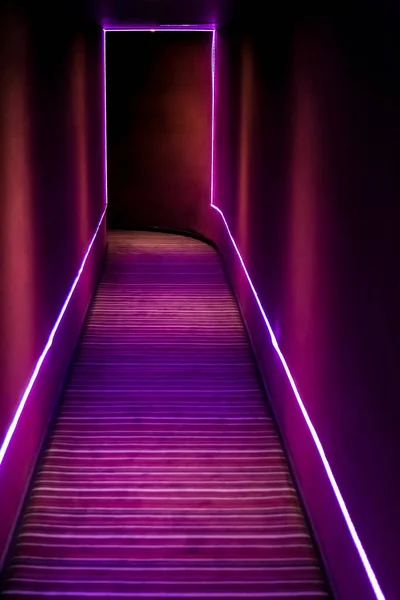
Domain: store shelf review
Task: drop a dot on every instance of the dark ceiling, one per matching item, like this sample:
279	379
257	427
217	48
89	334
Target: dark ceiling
218	12
261	14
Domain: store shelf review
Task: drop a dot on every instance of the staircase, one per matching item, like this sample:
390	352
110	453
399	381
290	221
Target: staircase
164	476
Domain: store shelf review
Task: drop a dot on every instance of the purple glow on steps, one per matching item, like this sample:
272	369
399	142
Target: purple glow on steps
372	578
164	476
28	389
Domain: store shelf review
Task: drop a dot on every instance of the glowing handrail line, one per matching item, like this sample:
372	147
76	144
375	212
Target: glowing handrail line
331	477
35	373
354	535
17	415
367	565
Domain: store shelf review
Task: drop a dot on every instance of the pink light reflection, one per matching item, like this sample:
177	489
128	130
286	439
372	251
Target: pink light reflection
370	573
105	117
28	389
357	542
354	535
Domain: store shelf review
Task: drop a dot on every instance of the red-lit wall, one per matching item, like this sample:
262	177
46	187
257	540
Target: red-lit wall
51	198
159	126
307	174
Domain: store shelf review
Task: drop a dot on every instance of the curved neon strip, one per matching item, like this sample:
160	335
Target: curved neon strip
367	565
14	422
28	389
357	542
354	535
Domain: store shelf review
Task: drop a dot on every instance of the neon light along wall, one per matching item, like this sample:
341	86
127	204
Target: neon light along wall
14	423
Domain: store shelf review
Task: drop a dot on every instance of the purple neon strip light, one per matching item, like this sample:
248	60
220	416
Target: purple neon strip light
42	357
105	116
159	28
357	542
28	389
371	575
213	43
339	497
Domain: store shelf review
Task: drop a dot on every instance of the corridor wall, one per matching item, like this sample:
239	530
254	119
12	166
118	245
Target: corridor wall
52	198
307	147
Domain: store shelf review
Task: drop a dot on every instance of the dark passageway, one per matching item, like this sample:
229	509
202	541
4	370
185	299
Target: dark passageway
199	299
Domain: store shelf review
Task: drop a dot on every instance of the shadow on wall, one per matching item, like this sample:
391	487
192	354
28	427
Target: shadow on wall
18	254
49	165
52	196
308	133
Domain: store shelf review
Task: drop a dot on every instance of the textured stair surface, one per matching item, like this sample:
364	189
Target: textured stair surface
164	476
